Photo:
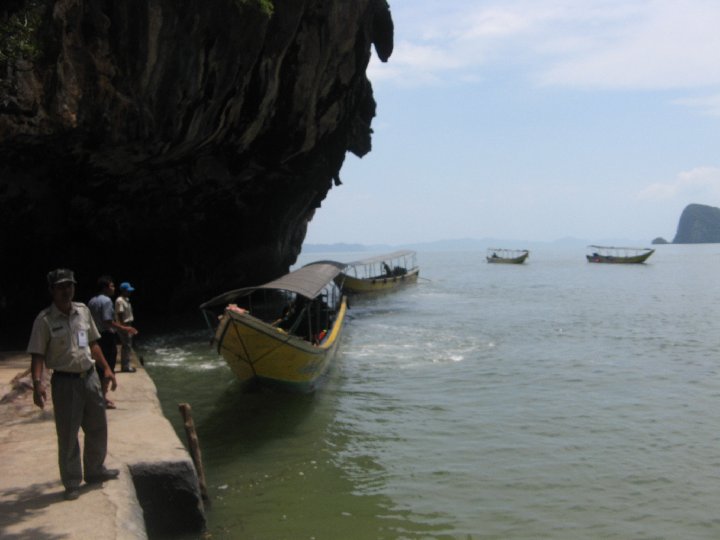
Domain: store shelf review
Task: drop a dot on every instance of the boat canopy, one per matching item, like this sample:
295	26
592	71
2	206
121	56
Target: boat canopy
614	247
381	258
308	281
507	252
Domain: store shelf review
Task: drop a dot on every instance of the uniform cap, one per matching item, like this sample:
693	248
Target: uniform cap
61	275
125	286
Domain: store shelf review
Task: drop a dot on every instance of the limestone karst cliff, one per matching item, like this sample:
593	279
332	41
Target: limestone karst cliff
183	146
699	224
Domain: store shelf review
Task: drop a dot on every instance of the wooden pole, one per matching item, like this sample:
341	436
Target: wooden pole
194	445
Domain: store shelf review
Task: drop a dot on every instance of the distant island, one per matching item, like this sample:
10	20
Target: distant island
699	224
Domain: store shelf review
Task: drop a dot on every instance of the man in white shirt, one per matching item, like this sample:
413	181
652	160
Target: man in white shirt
124	315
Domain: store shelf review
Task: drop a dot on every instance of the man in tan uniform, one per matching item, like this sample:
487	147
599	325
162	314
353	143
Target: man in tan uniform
64	339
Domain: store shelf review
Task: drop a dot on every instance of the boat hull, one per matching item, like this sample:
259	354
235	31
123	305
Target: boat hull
503	260
258	352
376	284
610	259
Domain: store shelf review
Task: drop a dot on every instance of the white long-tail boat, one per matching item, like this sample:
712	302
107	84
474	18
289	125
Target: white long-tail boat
506	256
618	255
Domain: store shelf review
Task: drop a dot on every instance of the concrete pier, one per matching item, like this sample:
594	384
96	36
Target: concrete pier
156	494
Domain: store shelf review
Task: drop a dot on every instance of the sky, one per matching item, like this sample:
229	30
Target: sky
536	120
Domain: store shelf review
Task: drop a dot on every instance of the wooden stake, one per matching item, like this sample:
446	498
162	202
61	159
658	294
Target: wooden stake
194	445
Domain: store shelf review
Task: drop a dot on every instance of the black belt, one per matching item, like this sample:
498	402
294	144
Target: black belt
73	375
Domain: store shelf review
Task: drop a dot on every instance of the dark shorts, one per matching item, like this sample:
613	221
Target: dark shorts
108	345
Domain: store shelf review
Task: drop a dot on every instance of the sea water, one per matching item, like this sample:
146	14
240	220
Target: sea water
557	399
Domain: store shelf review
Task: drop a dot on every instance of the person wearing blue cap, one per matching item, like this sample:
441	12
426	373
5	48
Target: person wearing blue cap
124	315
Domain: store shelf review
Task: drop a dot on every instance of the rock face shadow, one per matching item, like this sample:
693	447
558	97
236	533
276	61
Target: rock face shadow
169	496
207	151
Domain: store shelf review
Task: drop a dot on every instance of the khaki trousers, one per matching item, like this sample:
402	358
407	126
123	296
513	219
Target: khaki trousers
79	403
125	349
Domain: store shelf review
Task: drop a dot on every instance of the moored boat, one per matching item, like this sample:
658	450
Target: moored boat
284	333
618	255
380	273
507	256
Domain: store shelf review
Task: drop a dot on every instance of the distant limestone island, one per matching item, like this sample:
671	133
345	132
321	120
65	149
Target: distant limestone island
699	224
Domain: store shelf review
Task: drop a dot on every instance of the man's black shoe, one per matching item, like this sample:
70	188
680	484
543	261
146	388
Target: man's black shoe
128	370
71	494
107	474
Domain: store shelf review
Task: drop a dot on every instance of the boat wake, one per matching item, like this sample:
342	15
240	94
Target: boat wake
406	347
183	358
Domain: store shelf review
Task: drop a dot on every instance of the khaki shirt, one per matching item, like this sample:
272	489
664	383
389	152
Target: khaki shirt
64	340
123	310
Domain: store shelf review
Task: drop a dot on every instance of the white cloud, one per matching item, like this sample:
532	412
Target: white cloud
492	23
414	63
631	44
709	105
664	44
696	185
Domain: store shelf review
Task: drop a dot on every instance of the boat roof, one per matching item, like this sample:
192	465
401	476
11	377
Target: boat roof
381	258
307	281
617	247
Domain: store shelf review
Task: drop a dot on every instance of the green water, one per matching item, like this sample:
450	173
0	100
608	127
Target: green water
558	400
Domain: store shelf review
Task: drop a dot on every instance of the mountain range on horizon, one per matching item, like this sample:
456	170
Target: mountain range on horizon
463	244
698	223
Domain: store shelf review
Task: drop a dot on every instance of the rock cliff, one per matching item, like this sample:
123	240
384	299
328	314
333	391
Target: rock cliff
183	146
699	224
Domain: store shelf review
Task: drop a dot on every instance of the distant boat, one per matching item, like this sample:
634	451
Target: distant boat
284	333
618	255
380	273
507	256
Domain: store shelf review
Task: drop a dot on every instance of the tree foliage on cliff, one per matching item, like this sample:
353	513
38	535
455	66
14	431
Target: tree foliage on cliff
19	25
266	6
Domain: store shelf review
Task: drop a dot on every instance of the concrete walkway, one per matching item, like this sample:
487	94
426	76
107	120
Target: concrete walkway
31	495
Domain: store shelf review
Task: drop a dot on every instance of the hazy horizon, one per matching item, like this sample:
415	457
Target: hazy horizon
478	243
536	121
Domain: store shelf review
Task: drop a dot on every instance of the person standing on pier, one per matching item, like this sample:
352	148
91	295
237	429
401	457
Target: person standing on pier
64	338
103	312
124	315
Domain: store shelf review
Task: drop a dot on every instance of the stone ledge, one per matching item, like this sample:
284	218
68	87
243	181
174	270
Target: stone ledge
157	492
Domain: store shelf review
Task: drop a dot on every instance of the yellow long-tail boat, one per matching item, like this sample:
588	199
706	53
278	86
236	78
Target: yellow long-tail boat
380	273
284	333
